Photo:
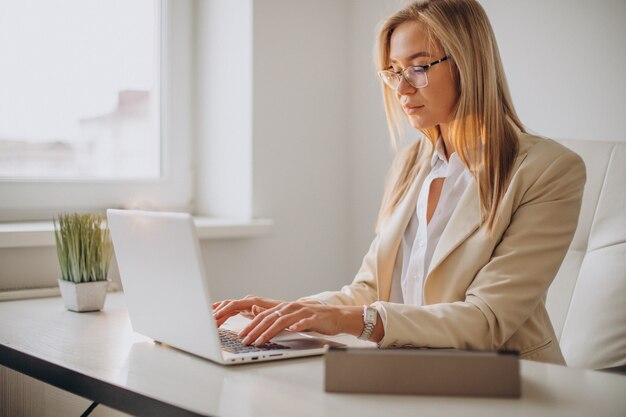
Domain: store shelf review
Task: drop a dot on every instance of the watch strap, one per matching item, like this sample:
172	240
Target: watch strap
368	324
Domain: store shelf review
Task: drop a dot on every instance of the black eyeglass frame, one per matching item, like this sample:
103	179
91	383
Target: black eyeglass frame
404	72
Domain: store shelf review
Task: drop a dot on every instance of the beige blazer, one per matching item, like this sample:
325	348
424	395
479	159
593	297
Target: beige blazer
482	291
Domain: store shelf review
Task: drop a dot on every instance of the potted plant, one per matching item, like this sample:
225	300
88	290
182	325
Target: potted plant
84	250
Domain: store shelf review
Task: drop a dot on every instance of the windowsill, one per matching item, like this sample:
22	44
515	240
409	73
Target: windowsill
37	234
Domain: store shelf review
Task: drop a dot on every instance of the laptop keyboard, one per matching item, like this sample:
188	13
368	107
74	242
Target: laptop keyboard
231	343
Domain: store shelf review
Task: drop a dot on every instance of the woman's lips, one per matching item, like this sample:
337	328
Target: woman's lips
412	109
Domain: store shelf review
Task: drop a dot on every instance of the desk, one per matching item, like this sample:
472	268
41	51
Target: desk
98	356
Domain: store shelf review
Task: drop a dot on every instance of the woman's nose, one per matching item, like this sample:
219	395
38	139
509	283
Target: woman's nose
404	87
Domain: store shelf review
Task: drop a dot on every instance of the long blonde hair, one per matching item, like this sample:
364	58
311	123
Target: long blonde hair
482	129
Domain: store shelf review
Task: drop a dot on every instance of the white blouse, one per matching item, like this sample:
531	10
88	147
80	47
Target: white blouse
421	238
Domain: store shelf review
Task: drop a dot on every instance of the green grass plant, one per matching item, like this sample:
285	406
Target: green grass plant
83	246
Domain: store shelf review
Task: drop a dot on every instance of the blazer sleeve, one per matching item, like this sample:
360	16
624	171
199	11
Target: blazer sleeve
506	291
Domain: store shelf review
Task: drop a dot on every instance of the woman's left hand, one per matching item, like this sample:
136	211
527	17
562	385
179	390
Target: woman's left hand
299	317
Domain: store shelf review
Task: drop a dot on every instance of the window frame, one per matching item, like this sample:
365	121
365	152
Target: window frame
40	199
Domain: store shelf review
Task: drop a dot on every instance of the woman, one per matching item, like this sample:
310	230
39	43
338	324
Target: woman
477	215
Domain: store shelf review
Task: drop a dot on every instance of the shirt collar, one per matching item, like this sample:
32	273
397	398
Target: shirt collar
439	154
452	166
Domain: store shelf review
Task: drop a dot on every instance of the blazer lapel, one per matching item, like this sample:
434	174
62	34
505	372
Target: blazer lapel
464	221
391	234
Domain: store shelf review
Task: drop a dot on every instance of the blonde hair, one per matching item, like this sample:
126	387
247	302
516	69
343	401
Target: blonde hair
482	128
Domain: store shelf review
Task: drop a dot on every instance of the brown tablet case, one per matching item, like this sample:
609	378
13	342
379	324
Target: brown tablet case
422	371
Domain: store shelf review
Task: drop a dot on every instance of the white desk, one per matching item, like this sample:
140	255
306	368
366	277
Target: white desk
98	356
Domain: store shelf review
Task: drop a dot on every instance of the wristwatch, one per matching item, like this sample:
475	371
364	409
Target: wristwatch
369	322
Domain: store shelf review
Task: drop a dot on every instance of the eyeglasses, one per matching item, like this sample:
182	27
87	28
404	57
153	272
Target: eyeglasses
415	75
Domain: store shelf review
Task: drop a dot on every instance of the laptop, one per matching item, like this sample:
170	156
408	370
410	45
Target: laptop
167	291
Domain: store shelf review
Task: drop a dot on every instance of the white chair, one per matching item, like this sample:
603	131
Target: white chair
587	300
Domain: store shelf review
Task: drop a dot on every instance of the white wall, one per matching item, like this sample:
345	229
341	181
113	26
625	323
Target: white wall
370	147
223	107
300	155
565	63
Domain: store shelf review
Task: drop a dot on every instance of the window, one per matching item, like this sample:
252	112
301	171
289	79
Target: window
95	95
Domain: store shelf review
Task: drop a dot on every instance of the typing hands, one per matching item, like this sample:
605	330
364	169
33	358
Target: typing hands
270	317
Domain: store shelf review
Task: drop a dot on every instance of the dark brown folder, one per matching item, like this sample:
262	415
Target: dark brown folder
423	371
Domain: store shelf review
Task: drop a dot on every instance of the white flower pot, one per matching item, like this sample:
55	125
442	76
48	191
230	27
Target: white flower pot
85	296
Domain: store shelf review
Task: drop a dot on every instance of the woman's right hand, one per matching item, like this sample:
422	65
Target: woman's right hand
223	310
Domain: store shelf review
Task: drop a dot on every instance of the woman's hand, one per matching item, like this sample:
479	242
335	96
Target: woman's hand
223	310
300	317
272	316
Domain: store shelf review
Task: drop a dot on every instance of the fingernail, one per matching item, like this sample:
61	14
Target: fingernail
246	341
258	342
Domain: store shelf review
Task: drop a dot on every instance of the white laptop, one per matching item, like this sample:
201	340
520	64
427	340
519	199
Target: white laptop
167	291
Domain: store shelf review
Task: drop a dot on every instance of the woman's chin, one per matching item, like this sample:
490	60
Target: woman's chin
419	123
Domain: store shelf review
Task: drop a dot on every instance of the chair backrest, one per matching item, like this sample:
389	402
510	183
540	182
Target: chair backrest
587	300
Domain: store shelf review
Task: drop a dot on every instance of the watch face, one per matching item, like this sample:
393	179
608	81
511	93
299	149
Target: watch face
370	314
